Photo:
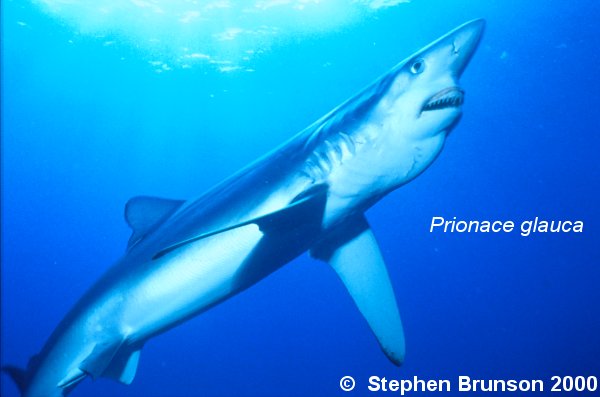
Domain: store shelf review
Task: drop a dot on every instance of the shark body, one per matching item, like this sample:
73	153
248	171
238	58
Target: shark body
185	257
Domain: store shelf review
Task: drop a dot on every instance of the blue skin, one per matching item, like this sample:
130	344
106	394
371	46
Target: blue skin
309	194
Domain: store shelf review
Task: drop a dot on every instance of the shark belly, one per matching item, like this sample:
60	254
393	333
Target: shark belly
187	282
194	278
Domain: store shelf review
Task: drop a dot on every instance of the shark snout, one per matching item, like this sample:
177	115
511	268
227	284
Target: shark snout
464	41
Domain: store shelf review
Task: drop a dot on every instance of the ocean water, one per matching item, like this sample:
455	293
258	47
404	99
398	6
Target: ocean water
105	101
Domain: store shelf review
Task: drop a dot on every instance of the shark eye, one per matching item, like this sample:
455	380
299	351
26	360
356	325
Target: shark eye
417	67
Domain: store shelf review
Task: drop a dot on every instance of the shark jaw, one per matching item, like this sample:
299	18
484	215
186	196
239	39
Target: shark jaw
452	97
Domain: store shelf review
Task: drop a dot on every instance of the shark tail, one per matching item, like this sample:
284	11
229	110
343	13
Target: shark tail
18	375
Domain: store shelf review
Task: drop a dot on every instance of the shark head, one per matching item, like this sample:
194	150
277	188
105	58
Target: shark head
404	117
392	130
425	93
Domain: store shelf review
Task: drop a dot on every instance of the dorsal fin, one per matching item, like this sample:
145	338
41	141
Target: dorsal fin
33	362
18	375
144	213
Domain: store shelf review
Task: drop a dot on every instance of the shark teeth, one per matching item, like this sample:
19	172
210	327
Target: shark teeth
447	98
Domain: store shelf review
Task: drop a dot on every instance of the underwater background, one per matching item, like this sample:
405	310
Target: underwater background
106	100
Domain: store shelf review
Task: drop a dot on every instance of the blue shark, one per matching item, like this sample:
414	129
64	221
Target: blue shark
310	194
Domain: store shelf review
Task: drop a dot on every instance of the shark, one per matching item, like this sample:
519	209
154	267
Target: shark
309	194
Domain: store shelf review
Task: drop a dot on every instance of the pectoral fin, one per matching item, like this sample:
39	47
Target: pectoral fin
353	253
307	208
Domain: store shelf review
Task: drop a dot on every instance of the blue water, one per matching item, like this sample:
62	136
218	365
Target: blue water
99	106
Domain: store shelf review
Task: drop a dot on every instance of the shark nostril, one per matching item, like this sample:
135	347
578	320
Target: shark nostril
454	48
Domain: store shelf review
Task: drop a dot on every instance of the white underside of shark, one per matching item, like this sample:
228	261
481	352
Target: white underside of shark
185	257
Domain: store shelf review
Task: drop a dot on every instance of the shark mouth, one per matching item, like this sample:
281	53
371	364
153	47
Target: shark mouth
451	97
